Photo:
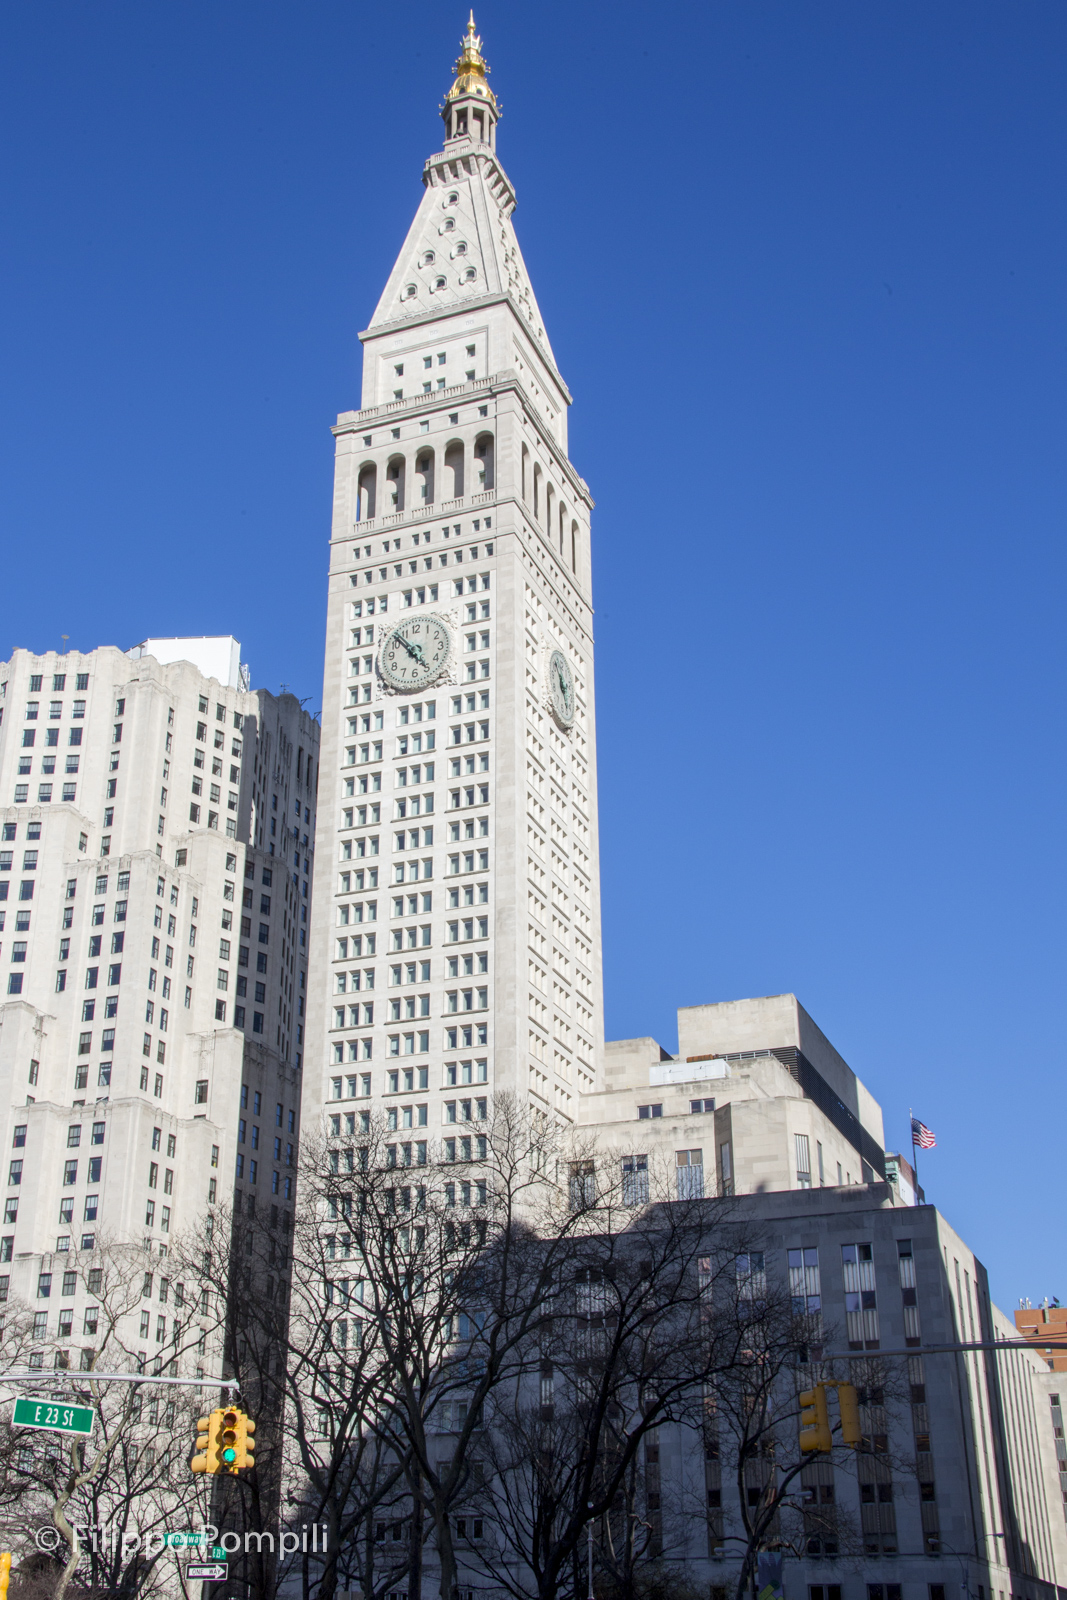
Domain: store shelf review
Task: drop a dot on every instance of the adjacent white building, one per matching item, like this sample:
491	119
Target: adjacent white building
157	826
456	934
963	1486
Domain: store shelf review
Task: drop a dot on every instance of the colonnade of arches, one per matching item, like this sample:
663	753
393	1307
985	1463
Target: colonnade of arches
549	509
426	478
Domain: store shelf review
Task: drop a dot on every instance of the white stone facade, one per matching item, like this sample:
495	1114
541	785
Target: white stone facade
154	895
756	1100
457	923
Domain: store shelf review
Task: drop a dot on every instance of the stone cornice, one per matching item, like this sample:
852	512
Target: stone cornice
456	158
497	383
502	297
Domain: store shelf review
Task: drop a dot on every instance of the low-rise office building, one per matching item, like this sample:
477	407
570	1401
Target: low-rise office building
963	1486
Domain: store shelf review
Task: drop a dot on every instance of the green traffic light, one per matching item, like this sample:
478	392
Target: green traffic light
229	1456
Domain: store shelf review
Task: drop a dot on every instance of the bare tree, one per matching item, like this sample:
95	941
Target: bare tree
312	1374
485	1341
455	1262
421	1278
787	1499
633	1338
112	1496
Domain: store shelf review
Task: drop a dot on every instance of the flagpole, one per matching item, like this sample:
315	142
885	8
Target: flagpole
914	1157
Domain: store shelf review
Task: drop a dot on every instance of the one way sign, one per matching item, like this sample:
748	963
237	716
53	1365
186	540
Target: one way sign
206	1571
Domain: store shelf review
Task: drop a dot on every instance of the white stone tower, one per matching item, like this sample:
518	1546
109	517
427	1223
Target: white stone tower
456	921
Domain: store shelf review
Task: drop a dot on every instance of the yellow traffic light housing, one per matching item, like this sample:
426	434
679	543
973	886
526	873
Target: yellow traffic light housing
224	1442
228	1439
5	1571
245	1443
208	1431
849	1407
815	1420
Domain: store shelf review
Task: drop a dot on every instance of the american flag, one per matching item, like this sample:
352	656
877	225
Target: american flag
921	1135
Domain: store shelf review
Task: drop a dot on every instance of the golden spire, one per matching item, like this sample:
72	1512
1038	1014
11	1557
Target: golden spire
470	69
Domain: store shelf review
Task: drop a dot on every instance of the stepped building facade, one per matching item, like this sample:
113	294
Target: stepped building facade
156	839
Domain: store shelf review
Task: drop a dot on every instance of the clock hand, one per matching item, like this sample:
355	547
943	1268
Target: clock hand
413	650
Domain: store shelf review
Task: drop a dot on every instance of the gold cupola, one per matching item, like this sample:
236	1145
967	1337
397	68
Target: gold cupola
470	110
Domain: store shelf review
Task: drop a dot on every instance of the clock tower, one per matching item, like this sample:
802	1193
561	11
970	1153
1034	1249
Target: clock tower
456	937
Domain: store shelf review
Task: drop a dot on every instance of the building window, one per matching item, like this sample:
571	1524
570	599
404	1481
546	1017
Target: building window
635	1181
804	1285
908	1293
861	1305
689	1168
582	1185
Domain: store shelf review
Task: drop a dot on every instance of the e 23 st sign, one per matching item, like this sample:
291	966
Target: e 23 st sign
57	1418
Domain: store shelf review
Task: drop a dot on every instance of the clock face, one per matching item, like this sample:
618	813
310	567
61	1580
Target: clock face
561	687
415	652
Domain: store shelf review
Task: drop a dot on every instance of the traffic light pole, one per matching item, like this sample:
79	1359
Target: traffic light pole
67	1375
1041	1345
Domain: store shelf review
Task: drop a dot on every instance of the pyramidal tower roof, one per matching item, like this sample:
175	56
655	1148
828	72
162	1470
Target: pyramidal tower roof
461	249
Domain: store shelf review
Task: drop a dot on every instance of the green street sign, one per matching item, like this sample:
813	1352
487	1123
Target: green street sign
192	1541
56	1418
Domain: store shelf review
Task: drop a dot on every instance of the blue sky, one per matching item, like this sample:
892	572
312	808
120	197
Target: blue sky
803	268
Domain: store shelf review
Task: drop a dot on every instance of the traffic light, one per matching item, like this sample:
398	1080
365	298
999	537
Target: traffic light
5	1571
849	1407
208	1431
224	1442
228	1439
814	1420
245	1443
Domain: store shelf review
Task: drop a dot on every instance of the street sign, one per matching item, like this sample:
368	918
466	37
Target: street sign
206	1571
191	1541
57	1418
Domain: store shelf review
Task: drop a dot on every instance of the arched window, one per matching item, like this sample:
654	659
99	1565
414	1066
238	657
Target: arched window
562	524
484	466
461	249
453	198
424	477
367	486
428	258
550	501
409	292
537	492
525	469
450	223
470	274
394	480
574	547
438	283
454	470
